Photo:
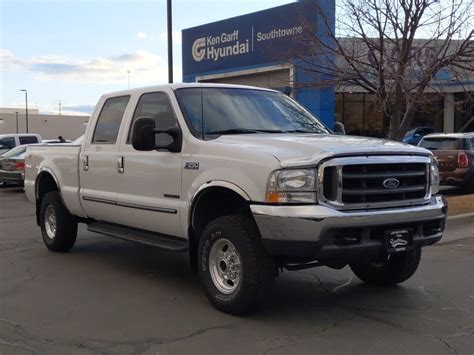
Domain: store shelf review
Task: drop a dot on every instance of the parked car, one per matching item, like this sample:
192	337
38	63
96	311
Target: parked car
454	153
245	181
12	166
414	136
9	141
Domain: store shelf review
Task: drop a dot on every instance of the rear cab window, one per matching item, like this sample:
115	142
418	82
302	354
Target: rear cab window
110	119
28	140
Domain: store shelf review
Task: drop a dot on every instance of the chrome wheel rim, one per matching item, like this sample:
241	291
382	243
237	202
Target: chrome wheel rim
50	222
225	266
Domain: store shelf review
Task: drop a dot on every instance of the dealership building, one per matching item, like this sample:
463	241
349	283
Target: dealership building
263	49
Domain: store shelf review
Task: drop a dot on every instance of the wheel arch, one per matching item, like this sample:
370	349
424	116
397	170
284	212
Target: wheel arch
213	199
45	182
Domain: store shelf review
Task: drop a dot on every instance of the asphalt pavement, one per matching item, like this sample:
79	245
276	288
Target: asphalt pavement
113	297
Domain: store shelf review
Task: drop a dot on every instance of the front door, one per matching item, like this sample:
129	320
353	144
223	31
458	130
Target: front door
149	191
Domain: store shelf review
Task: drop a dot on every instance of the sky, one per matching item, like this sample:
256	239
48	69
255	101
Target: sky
77	50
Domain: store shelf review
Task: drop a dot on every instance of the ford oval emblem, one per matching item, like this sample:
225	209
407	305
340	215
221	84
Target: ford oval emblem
391	183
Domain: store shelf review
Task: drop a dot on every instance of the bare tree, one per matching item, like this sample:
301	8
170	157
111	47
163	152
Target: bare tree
394	49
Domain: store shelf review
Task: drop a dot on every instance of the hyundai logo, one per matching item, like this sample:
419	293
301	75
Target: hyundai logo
391	183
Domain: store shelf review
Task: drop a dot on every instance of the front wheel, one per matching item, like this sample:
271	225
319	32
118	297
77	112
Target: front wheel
234	269
58	226
391	271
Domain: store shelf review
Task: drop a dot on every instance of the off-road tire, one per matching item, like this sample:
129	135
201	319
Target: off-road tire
398	268
65	227
257	267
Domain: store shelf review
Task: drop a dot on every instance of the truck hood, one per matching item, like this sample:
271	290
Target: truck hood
308	149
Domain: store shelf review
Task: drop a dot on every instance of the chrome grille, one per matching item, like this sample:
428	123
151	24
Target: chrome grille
374	182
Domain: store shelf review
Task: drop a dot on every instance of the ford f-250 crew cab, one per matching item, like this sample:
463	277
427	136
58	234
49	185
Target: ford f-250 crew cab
246	181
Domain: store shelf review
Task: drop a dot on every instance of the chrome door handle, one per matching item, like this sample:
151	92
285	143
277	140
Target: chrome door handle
85	161
120	165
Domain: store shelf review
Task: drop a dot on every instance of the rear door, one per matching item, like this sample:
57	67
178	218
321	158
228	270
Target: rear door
98	167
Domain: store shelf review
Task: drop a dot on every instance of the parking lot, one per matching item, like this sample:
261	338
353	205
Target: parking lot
109	296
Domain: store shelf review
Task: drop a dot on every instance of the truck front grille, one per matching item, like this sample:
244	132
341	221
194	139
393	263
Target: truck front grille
374	182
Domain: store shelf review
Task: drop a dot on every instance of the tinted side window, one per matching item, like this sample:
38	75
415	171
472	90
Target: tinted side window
157	106
7	143
28	140
108	124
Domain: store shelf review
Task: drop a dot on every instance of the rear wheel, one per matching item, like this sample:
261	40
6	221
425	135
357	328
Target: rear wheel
58	226
234	269
391	271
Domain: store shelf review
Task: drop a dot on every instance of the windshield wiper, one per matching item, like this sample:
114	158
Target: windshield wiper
248	131
302	131
233	131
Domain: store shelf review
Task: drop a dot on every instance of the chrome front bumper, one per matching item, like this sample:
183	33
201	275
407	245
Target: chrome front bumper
313	227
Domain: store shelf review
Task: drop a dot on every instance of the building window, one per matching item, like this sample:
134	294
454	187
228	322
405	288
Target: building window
464	112
362	115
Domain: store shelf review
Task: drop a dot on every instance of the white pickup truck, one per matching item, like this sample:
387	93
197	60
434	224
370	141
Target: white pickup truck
246	181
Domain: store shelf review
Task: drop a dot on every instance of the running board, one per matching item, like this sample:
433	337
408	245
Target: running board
141	236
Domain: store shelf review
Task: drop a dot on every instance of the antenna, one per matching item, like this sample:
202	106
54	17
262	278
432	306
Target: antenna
59	103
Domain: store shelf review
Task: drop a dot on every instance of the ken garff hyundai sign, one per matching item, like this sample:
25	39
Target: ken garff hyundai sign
228	44
260	37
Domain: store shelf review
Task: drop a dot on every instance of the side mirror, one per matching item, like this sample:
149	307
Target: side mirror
339	128
145	137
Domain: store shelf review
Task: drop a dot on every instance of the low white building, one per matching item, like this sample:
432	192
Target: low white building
13	120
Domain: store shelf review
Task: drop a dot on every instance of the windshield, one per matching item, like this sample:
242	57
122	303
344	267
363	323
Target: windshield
241	111
410	133
7	143
14	152
440	143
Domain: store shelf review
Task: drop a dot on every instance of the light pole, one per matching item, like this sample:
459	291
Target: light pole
16	116
170	42
128	76
26	104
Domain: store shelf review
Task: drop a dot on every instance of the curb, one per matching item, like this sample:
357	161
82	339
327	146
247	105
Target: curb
464	216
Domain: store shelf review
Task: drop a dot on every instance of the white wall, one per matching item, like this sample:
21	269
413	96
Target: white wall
48	126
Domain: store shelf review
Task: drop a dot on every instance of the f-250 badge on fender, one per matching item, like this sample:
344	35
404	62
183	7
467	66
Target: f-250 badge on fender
191	165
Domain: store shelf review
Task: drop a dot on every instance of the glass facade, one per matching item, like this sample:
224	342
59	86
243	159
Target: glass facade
362	115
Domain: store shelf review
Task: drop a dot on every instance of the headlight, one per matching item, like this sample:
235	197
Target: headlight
434	177
292	186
